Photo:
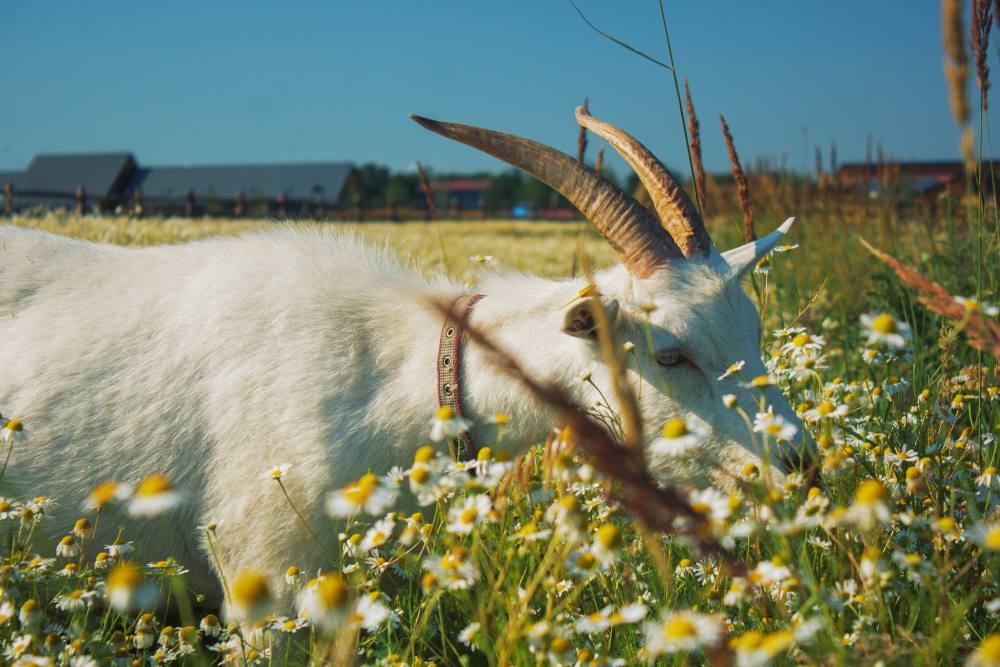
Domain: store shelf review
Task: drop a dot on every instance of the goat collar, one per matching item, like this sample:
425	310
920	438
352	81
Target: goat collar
449	371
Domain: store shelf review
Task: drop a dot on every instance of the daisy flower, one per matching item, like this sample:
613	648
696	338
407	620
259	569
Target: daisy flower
583	563
10	509
802	343
481	258
468	635
710	504
378	534
682	631
826	410
276	472
871	505
447	424
894	385
368	613
367	495
452	570
153	496
68	548
463	518
677	438
987	654
973	305
774	426
326	600
13	432
886	329
989	479
735	368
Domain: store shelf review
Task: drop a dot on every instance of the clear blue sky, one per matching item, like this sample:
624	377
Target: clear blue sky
256	82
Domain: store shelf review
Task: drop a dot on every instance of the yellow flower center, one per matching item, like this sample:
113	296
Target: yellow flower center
680	628
701	508
14	425
420	476
469	515
885	324
825	408
609	536
990	471
125	576
947	524
989	650
250	588
685	563
991	540
153	485
801	340
675	428
445	413
4	506
331	590
586	561
870	492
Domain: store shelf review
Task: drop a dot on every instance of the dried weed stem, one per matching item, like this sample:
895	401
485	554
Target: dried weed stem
741	181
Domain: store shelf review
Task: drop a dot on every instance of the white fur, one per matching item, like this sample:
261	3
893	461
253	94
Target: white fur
212	361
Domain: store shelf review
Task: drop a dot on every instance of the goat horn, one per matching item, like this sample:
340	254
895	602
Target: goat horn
636	236
676	210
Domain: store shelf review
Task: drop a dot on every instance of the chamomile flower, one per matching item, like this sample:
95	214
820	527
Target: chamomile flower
682	631
481	258
276	472
987	654
368	613
378	534
154	495
774	426
10	509
826	410
13	432
446	423
871	505
68	548
463	518
801	344
989	479
872	356
894	385
468	635
367	495
678	438
710	504
452	571
326	600
973	305
886	329
732	370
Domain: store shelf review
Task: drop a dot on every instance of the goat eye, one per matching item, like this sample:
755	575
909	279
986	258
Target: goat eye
669	357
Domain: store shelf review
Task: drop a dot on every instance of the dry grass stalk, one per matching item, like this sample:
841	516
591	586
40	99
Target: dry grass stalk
699	169
956	61
654	506
741	181
581	142
600	160
980	42
427	190
983	334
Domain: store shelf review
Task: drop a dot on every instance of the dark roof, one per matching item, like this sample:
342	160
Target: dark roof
101	174
303	182
12	177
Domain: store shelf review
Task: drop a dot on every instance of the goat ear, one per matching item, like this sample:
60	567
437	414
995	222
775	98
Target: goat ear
744	258
581	320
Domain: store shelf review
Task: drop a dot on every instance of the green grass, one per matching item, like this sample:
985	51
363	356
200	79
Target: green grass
887	557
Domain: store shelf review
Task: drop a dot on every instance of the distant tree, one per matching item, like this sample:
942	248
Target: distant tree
373	179
502	192
401	188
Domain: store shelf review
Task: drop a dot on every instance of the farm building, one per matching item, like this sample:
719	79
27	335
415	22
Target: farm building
113	181
917	180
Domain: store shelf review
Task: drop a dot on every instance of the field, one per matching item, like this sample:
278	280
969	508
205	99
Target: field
888	554
886	551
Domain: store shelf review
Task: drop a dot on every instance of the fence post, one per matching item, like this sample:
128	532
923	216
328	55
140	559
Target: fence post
8	193
81	200
189	204
281	205
137	203
238	208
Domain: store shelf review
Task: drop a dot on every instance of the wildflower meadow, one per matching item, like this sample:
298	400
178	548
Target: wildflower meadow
880	326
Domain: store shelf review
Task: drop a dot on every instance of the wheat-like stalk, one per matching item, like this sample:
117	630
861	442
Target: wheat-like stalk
983	334
695	139
980	42
741	181
581	142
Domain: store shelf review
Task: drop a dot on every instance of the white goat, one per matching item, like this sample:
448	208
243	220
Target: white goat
212	361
